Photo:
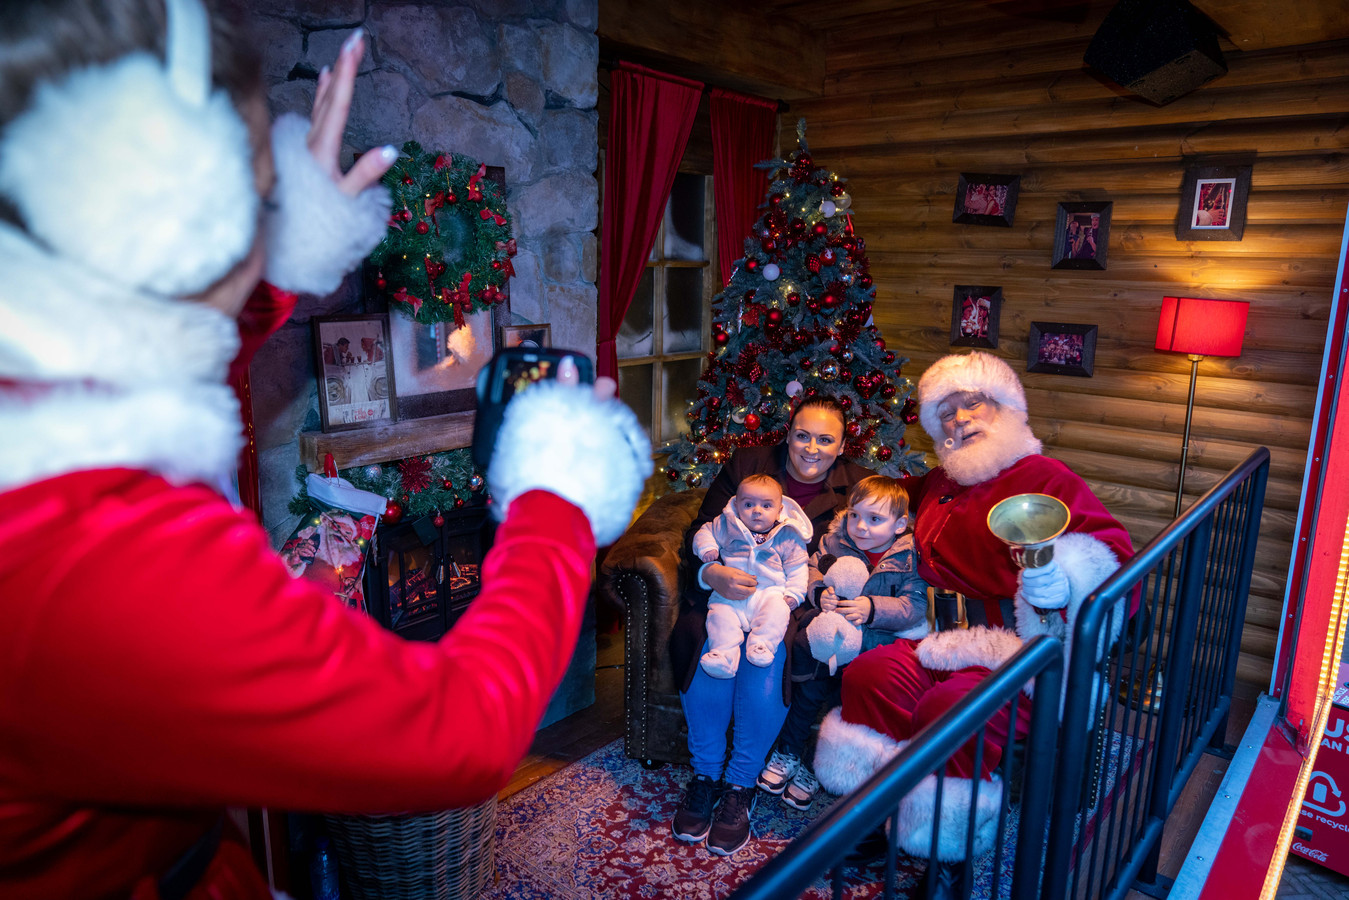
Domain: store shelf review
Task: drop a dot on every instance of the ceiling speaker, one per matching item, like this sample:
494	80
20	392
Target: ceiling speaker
1157	49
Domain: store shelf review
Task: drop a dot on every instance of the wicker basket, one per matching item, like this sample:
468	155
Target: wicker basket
436	856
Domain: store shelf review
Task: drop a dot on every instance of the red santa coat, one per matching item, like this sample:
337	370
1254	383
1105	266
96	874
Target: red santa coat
195	673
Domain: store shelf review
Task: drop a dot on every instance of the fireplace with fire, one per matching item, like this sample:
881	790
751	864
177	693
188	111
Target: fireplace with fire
422	577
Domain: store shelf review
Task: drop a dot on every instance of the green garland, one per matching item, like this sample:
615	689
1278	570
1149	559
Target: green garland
416	486
448	249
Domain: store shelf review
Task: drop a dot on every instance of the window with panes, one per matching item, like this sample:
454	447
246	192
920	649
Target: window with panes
664	340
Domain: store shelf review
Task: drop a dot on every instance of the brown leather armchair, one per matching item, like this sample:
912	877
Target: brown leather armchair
641	573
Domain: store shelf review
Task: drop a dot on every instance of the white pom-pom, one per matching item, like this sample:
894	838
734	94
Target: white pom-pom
559	438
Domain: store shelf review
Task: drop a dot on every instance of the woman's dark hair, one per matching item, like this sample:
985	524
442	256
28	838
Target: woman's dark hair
819	401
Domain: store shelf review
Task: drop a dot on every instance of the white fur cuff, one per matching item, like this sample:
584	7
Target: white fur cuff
315	233
848	753
559	438
913	833
951	651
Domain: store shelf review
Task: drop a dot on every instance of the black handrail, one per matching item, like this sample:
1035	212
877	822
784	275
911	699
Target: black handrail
1193	580
824	843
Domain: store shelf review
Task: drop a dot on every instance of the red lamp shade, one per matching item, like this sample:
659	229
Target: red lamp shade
1202	327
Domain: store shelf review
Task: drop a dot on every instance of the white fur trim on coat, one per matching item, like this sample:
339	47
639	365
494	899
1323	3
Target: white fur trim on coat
974	372
110	376
950	651
559	438
913	823
159	189
847	754
315	233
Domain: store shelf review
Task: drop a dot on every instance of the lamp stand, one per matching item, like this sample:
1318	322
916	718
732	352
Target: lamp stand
1185	447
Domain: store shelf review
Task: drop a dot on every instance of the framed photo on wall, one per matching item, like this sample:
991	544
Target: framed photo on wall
437	365
1061	349
1213	203
355	371
975	311
986	199
1082	235
526	335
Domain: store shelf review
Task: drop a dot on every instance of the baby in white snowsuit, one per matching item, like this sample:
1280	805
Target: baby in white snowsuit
764	534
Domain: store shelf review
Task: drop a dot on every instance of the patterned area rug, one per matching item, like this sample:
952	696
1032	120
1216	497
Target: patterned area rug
600	828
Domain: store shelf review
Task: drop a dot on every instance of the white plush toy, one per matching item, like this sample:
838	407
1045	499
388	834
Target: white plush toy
833	639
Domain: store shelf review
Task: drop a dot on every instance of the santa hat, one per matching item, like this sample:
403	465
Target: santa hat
973	372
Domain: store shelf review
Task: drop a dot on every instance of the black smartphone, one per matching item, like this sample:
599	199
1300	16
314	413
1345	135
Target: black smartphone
513	369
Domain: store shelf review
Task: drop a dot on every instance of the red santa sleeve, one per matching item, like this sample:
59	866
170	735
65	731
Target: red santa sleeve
199	672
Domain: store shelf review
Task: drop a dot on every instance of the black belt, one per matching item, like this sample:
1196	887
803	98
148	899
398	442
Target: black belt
954	610
184	874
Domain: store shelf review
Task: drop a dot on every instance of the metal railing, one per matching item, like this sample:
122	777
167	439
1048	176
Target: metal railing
822	846
1138	717
1144	702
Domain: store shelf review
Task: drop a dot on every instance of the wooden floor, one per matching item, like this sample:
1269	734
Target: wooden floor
592	728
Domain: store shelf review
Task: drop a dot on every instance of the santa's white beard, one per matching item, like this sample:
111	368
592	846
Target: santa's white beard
1007	438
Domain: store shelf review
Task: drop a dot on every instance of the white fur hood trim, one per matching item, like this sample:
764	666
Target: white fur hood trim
561	439
118	378
792	517
950	651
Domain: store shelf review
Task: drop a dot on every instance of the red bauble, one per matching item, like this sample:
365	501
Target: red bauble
393	512
673	476
422	228
887	391
714	403
438	521
813	305
720	338
381	283
830	300
752	422
751	264
407	179
769	245
821	229
883	454
854	428
845	402
864	281
880	343
496	264
775	200
827	256
458	502
793	298
805	364
775	317
888	358
404	215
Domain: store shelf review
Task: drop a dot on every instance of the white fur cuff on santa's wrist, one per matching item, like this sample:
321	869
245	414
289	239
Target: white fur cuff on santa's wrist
561	439
316	234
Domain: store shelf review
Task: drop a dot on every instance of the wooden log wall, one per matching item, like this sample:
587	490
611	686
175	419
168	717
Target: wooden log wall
912	101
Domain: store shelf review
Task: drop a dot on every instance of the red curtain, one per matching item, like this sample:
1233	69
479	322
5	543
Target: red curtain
743	129
650	117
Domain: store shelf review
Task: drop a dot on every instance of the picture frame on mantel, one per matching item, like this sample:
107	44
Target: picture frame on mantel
1082	235
531	336
986	199
1213	203
437	365
975	311
354	371
1060	348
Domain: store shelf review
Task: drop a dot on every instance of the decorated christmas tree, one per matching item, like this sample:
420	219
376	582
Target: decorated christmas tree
795	321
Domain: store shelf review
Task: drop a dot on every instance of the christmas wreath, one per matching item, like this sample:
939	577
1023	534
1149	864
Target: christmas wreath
448	248
416	486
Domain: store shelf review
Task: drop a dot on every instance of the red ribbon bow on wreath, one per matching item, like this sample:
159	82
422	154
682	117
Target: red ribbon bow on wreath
508	246
434	203
473	192
460	298
486	214
402	296
442	161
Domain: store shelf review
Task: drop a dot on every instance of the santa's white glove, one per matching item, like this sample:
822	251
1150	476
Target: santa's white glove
1045	587
561	438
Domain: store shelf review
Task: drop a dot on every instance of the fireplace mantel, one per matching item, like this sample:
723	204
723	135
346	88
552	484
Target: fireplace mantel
392	440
